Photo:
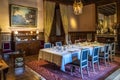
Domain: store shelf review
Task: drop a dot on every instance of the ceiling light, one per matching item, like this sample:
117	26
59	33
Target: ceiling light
77	7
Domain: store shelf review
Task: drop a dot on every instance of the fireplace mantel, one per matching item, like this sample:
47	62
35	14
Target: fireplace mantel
106	36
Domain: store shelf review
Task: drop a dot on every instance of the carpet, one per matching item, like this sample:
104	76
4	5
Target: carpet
51	72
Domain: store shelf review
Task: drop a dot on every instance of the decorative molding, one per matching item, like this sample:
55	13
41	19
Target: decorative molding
22	29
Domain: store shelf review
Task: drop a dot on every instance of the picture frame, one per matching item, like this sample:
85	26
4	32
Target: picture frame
23	16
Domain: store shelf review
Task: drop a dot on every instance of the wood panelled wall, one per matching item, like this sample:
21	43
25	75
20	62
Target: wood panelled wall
74	36
82	35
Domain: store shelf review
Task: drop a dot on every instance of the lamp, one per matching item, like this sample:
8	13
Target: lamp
16	32
77	7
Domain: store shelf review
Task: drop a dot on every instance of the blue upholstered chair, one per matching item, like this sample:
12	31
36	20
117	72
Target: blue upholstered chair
95	57
105	54
58	43
112	50
83	62
47	45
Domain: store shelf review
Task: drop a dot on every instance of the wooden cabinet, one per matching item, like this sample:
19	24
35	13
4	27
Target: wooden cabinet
27	41
106	38
30	47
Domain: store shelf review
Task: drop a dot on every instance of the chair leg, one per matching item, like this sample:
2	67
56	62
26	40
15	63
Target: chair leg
111	57
88	71
72	69
108	61
105	62
93	67
81	72
98	66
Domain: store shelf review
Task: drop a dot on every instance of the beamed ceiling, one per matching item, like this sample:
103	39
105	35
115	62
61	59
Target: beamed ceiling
70	2
107	10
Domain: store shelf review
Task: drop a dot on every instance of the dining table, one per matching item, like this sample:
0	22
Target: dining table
61	55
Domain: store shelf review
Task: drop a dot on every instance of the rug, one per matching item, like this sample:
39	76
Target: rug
51	72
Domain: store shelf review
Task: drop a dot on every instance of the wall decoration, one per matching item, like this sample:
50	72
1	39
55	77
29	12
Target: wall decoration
22	16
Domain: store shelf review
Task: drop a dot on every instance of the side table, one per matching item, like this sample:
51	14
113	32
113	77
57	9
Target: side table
3	69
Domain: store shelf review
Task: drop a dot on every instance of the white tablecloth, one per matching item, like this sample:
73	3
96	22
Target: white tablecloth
62	57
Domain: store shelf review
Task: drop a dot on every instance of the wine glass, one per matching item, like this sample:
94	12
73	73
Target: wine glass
89	39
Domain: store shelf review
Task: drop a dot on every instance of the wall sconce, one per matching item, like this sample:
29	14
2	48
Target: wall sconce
31	32
37	31
16	32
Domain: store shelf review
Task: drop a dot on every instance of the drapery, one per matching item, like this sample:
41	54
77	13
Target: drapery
49	8
64	16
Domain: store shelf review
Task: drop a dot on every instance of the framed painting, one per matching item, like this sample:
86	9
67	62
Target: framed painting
22	16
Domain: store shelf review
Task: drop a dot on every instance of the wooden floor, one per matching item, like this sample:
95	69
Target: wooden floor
18	74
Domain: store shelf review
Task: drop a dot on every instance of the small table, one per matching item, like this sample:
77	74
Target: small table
3	69
11	55
17	57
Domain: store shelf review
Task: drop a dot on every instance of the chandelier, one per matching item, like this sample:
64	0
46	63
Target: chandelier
77	7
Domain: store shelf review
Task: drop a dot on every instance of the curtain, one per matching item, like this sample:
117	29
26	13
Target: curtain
64	16
49	8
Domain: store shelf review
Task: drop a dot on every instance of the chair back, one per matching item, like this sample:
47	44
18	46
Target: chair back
6	45
113	47
58	43
106	50
95	54
47	45
84	57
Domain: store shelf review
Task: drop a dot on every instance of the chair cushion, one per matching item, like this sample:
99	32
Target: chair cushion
76	62
7	51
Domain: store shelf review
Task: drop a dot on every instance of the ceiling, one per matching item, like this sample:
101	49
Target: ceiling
70	2
109	9
106	10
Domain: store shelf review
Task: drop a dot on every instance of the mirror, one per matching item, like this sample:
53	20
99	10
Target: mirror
107	18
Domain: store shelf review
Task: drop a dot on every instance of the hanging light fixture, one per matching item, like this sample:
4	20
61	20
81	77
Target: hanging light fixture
77	7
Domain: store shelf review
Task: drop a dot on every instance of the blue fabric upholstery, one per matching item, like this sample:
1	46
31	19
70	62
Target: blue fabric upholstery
47	45
83	62
95	57
58	43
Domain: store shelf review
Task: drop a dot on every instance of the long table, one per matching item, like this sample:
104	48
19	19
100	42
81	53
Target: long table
62	57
